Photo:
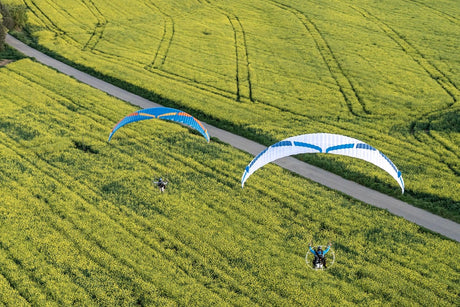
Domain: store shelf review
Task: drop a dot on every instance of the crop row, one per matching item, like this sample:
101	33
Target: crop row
83	224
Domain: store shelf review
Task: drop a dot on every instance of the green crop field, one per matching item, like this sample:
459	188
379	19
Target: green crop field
384	72
81	223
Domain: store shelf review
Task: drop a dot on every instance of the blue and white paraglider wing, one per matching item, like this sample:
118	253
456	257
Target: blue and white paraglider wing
162	113
323	143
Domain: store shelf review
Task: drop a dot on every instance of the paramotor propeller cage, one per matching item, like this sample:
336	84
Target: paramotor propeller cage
330	259
161	187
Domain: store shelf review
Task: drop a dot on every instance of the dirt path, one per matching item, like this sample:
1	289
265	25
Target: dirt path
416	215
5	62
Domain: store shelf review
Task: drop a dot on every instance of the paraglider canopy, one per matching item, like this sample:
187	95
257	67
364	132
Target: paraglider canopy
323	143
162	113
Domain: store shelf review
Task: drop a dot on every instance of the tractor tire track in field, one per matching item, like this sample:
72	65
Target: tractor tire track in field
241	57
244	58
354	102
194	84
166	39
48	23
426	121
98	31
165	44
436	74
243	73
161	55
440	13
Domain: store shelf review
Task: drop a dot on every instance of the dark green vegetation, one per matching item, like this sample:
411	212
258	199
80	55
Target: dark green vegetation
385	72
9	53
80	222
12	17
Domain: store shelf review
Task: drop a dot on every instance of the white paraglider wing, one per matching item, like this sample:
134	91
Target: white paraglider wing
323	143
